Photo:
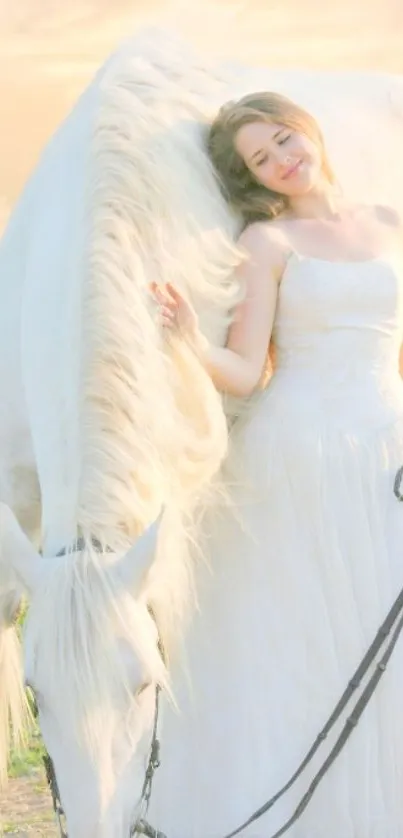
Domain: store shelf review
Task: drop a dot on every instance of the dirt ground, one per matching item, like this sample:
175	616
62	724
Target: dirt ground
26	809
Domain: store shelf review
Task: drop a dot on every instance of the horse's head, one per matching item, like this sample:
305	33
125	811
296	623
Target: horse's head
92	660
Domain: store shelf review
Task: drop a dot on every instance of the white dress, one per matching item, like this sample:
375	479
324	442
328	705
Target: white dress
293	599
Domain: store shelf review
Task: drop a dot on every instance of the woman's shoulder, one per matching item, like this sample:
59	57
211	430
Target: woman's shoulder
387	222
265	247
382	214
265	237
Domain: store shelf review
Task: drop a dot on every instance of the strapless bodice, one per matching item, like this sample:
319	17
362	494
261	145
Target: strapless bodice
338	331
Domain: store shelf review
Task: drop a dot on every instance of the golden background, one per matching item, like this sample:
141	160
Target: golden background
50	49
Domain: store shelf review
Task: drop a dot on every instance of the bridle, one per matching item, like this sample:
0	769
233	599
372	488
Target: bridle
140	825
393	624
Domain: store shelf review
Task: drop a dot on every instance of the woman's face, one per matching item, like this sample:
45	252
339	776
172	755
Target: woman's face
280	158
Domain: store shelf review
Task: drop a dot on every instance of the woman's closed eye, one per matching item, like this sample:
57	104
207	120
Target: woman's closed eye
262	160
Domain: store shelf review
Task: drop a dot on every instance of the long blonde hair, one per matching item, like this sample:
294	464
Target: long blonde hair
243	192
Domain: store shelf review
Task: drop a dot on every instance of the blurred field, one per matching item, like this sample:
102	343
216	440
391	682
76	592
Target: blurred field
49	50
25	806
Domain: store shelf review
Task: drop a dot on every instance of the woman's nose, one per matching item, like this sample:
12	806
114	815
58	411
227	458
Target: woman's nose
281	156
284	161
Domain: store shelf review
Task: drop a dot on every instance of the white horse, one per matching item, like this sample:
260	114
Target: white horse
102	423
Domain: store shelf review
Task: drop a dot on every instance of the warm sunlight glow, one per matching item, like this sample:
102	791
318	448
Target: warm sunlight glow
49	51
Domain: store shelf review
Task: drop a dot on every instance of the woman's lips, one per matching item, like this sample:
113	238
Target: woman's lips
292	170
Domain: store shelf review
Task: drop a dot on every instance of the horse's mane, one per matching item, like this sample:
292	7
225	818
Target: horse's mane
152	424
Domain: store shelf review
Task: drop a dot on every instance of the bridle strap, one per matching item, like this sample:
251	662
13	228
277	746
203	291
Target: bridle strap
144	828
141	825
50	777
54	790
80	544
350	724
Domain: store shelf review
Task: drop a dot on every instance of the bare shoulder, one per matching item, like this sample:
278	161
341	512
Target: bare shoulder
265	234
264	241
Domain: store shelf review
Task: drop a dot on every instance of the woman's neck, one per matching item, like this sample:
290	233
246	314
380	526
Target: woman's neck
321	202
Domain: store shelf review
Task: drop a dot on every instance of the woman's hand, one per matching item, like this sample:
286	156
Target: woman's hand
175	312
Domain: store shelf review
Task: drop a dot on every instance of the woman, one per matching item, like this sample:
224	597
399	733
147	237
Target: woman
315	557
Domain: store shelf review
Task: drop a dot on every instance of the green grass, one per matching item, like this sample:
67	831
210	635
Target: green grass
25	760
22	614
28	759
26	763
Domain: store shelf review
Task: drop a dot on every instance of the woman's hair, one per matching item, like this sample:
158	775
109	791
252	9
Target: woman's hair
241	189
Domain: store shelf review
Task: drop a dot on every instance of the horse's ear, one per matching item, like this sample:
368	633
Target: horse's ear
138	559
16	551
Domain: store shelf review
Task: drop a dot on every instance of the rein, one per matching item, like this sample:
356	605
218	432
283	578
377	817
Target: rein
393	623
140	825
350	723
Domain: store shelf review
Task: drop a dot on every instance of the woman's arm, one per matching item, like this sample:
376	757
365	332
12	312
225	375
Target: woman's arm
237	368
